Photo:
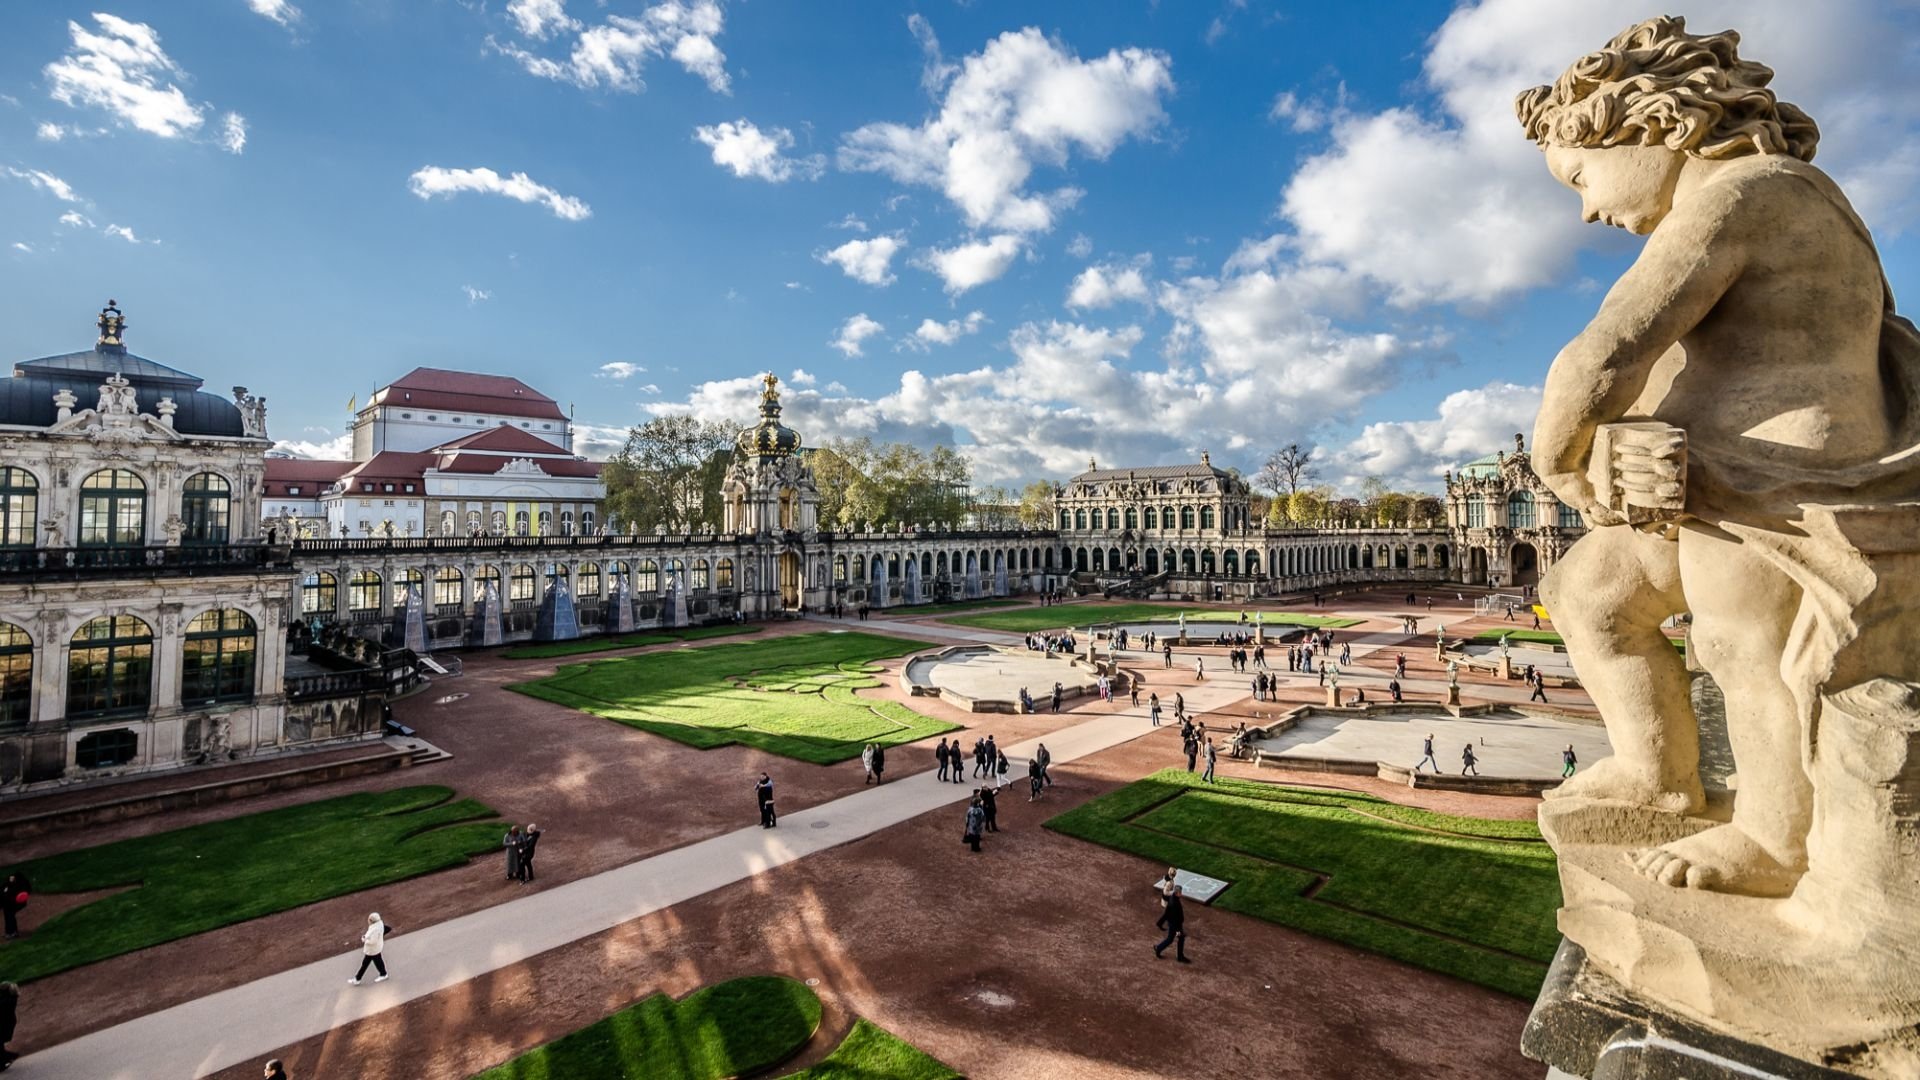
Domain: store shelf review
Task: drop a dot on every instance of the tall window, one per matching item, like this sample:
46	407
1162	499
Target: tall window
110	667
1186	517
1520	510
446	586
113	509
587	583
648	578
700	575
205	504
16	677
319	594
1066	519
1080	519
1113	518
520	523
363	590
484	578
586	523
520	586
217	658
1476	512
1152	519
499	527
1206	517
446	523
1570	518
473	523
403	585
566	523
545	522
723	574
19	507
1133	518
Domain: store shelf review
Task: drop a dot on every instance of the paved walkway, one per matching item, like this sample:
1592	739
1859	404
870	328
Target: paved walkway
248	1022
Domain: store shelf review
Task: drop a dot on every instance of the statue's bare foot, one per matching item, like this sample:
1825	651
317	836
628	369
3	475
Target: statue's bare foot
1614	779
1723	859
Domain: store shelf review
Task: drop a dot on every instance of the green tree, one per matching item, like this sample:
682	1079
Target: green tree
668	475
1036	505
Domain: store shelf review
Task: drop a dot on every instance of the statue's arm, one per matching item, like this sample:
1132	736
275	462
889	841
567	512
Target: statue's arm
1688	264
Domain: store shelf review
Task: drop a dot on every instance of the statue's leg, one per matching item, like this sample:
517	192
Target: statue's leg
1608	596
1743	611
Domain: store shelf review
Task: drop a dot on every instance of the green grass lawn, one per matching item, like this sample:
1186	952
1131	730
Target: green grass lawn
1544	637
199	878
953	608
737	1028
602	643
1465	896
1030	618
791	695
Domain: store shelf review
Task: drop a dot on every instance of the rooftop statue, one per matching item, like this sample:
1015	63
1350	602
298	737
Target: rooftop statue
1740	423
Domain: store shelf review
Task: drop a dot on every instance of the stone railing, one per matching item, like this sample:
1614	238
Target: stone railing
75	563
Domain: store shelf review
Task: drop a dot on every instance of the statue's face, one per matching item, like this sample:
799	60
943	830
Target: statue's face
1630	187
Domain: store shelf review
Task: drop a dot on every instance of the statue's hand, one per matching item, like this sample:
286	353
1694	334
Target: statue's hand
1574	490
1649	474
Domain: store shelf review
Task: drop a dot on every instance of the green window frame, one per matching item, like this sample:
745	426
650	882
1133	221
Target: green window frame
217	657
110	667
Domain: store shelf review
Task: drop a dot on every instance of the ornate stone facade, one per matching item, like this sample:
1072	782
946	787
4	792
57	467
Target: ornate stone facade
1507	525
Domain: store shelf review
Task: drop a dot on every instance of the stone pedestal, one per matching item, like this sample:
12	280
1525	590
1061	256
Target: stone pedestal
1333	697
1584	1024
1506	667
1453	697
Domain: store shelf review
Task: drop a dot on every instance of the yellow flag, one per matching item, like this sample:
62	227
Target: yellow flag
351	402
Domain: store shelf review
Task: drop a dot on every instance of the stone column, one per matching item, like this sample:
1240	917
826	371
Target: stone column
167	657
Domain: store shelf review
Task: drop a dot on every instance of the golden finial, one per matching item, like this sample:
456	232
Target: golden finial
112	324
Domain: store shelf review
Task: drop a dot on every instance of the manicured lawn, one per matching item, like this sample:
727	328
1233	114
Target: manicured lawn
737	1028
791	695
1465	896
954	608
1030	618
199	878
602	643
1544	637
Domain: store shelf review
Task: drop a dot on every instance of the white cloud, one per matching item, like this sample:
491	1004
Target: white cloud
797	285
124	233
742	148
50	132
931	333
124	71
972	264
1108	284
338	448
434	180
233	133
852	223
76	219
650	388
801	377
23	247
476	295
541	19
1414	453
614	53
1300	115
868	261
854	331
620	369
279	11
46	182
1456	206
1023	100
1080	246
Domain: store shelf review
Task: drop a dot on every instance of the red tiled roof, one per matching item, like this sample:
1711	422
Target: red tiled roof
390	467
505	439
310	474
466	391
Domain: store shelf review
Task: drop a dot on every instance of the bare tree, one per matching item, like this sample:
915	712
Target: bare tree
1287	469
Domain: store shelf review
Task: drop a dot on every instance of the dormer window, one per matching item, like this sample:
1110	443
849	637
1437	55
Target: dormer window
293	489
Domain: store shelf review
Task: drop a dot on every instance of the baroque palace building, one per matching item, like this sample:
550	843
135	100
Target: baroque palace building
171	595
1508	525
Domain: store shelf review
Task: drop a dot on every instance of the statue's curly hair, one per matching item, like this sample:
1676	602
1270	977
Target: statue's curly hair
1657	85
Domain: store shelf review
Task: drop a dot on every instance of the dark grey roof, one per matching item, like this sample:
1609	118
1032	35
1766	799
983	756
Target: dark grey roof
1149	472
99	362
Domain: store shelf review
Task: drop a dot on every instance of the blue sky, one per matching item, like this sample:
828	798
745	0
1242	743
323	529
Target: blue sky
1045	232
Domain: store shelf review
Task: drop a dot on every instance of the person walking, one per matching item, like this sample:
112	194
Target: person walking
1000	773
1033	779
1133	687
979	758
989	804
879	764
1058	693
1539	689
1166	655
1426	749
1191	747
529	840
1400	666
276	1070
1467	759
1199	668
940	754
992	759
1174	918
1393	689
9	1018
866	759
1045	757
1165	889
1567	761
976	818
1213	756
372	943
514	845
763	794
13	897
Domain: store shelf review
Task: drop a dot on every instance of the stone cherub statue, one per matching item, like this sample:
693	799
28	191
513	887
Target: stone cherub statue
1740	423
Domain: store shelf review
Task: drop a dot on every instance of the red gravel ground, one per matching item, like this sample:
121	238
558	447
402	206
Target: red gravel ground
1028	960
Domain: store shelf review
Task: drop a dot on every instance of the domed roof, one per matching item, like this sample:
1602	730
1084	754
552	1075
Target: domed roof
770	438
26	400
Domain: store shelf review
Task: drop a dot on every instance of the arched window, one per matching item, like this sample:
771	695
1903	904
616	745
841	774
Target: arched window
110	667
16	677
1253	563
446	586
216	660
1520	510
1066	519
586	523
206	505
499	526
566	523
446	523
19	507
1099	560
1206	517
1570	518
1476	512
723	573
839	569
1080	559
487	577
648	578
1153	559
1419	556
1132	518
701	575
1186	561
403	585
113	509
520	523
1206	561
1113	518
1080	519
319	594
1230	563
473	523
1150	519
1113	559
363	590
926	564
545	523
1186	517
587	582
520	585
